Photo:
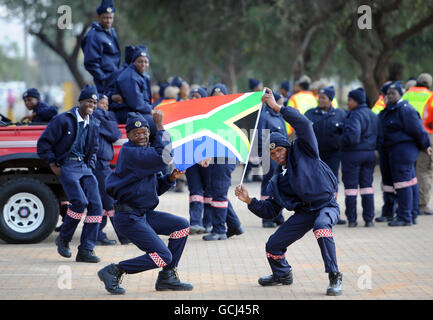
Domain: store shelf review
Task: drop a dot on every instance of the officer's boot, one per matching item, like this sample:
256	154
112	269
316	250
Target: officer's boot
335	287
111	275
86	256
273	280
63	247
168	279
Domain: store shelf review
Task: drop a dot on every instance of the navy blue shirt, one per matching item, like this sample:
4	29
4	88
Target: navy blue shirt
328	127
361	130
272	121
401	123
108	133
44	112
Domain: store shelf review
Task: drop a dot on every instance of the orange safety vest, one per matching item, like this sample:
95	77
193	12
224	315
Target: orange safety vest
379	105
303	101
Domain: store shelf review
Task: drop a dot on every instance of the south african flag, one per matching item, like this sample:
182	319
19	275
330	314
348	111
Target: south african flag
220	126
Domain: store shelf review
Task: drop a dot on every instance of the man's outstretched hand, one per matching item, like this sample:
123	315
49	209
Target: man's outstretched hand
176	174
269	99
242	194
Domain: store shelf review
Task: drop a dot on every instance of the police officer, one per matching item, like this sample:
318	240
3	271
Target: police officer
136	184
328	126
302	183
270	121
220	180
101	49
108	134
285	91
69	145
403	138
41	112
359	142
133	85
198	177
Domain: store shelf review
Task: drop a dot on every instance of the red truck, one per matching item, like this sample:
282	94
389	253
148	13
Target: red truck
29	192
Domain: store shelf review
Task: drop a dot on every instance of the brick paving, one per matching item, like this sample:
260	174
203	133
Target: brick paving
398	260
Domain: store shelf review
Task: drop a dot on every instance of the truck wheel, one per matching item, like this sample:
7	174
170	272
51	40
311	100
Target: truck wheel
29	211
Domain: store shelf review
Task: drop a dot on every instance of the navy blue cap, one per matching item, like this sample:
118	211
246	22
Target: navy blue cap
201	91
135	120
385	87
177	82
358	95
285	85
252	83
278	140
106	6
139	51
89	92
219	87
397	86
102	96
32	92
329	91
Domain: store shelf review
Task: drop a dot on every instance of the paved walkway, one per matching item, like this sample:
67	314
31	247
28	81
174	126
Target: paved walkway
377	263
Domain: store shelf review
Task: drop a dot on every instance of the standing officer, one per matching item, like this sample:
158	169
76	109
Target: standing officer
136	184
220	181
69	145
108	134
421	98
302	183
285	91
42	112
403	137
359	142
270	121
328	125
101	48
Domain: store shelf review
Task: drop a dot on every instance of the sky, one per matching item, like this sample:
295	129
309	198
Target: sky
11	30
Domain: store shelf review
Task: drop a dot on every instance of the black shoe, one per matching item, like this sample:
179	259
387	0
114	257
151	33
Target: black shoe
63	247
215	236
353	224
341	221
269	224
106	242
125	242
369	224
235	232
399	223
415	221
112	277
273	280
57	229
86	256
196	229
335	287
383	219
279	221
169	280
257	178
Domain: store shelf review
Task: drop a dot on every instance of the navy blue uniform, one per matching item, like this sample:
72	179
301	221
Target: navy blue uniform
108	134
73	147
359	141
402	136
134	87
306	186
102	55
328	127
137	182
44	112
273	122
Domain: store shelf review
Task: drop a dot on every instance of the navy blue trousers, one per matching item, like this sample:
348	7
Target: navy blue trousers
222	210
333	161
358	170
294	229
81	188
101	172
401	162
143	230
389	207
264	194
199	197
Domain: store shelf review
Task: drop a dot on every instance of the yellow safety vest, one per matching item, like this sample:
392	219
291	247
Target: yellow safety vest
421	99
303	101
379	105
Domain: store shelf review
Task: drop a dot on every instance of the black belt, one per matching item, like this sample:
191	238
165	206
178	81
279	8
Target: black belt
75	158
122	207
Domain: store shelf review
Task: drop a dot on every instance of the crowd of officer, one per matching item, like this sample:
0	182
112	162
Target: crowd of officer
78	146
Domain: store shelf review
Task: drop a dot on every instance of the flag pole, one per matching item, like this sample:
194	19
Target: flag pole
252	140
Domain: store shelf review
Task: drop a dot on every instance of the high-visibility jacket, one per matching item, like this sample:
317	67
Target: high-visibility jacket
303	101
379	105
421	99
